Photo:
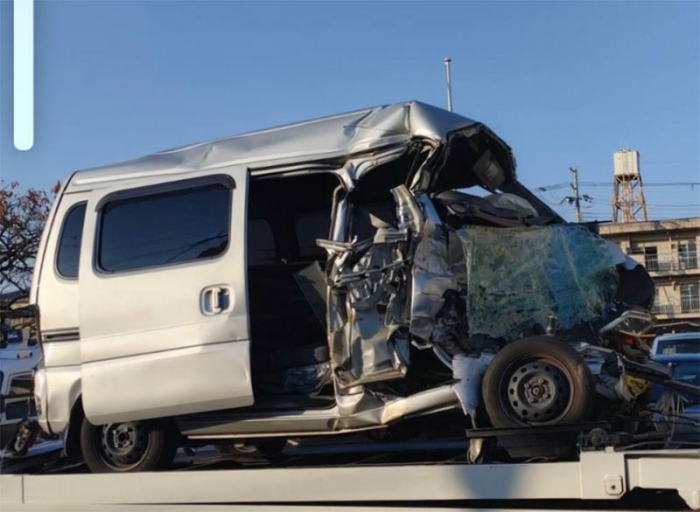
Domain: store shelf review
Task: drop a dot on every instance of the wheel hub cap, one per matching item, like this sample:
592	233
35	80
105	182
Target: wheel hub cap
538	392
124	444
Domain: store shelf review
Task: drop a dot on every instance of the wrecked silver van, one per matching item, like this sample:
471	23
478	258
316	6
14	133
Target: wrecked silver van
335	276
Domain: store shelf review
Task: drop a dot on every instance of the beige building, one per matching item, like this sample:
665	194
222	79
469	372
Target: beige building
669	251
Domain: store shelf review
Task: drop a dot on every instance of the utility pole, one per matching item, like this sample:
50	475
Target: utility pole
577	197
448	74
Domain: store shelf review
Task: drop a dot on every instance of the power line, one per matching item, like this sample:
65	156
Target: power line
590	199
557	186
600	199
596	209
553	187
659	184
586	205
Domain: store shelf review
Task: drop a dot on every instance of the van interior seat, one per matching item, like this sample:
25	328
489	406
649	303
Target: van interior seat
361	219
286	331
286	286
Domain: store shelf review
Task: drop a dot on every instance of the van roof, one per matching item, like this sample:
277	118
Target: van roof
691	335
308	141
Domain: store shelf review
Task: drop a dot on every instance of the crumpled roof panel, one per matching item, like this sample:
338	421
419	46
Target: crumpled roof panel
328	137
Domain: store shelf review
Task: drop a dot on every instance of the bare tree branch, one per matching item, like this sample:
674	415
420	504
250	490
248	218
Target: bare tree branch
22	218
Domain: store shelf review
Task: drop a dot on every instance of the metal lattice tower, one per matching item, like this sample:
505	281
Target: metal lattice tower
628	204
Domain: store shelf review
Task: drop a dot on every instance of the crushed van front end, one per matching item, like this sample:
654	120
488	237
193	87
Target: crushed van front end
463	275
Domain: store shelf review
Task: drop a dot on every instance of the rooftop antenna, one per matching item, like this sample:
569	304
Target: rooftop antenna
448	75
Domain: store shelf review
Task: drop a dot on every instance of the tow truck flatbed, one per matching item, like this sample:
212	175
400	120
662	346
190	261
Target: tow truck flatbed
598	477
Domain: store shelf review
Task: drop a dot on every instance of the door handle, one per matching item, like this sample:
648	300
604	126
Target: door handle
215	300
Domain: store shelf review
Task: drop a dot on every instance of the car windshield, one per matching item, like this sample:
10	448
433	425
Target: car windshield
687	372
679	346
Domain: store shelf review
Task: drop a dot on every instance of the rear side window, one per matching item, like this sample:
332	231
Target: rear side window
684	346
68	257
164	228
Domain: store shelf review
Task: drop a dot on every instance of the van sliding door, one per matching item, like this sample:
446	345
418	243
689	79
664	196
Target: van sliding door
163	299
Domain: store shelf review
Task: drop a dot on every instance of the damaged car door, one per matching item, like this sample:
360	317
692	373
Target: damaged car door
367	299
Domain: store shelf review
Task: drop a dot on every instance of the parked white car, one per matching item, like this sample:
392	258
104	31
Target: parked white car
18	358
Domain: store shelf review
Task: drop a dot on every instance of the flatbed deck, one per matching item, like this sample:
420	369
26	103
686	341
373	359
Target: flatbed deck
602	476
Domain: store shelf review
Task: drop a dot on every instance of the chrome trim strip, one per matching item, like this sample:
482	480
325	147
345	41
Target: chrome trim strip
70	334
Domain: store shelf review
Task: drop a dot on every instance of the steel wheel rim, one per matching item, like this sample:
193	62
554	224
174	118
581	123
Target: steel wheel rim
122	446
537	390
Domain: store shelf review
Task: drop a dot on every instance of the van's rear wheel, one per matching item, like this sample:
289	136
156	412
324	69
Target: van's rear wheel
127	447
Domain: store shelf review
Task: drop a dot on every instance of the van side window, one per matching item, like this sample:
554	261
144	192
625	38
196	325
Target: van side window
68	257
164	228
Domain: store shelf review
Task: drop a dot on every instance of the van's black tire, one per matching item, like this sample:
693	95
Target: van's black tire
542	364
155	444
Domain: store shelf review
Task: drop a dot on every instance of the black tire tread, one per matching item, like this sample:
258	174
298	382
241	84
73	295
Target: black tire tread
160	452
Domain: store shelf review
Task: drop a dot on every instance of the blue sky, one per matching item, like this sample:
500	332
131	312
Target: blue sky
565	83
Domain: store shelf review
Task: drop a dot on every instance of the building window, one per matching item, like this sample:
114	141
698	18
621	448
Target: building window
651	258
690	298
687	255
663	304
68	255
655	307
165	228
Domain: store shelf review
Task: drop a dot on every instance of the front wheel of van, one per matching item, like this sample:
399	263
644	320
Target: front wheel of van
131	446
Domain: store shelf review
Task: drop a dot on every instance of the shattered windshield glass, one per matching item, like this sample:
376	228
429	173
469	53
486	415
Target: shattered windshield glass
517	278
